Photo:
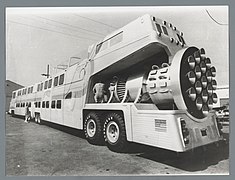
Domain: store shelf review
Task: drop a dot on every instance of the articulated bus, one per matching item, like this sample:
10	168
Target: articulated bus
142	83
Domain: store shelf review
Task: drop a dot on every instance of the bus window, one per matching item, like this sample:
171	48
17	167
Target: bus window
47	104
43	104
102	46
53	104
38	88
39	104
61	81
41	87
164	30
13	95
49	83
158	28
23	104
58	104
116	39
36	104
28	90
68	96
45	85
31	89
56	81
29	104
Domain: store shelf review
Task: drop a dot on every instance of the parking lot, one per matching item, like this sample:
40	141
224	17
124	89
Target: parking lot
51	150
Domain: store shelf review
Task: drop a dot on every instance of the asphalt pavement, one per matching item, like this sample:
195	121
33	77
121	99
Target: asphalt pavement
52	150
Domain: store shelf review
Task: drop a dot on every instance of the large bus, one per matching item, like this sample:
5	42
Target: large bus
142	83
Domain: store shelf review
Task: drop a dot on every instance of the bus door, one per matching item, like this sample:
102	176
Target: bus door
45	110
57	97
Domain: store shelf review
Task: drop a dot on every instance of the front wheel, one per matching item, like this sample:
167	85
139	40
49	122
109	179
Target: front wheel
115	132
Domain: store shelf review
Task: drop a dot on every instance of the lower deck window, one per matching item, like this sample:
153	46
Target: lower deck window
47	104
43	104
58	104
53	104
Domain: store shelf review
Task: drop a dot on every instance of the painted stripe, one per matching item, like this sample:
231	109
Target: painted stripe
59	96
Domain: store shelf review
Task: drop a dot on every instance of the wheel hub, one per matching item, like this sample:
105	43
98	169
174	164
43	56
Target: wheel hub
91	128
112	132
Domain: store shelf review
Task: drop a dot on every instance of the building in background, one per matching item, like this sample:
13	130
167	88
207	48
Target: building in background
9	87
223	96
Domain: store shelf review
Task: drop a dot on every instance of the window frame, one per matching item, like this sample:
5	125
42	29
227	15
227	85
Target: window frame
49	83
56	79
61	79
53	104
47	104
45	84
58	104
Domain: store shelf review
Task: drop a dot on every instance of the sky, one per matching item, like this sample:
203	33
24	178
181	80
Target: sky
36	37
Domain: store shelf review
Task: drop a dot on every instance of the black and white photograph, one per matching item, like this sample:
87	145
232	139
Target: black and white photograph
117	91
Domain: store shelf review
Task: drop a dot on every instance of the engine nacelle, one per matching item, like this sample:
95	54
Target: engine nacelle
188	83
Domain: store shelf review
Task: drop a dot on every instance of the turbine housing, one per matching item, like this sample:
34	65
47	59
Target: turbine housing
189	83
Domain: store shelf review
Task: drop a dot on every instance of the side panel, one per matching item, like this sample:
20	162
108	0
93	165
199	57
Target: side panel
162	128
74	94
154	129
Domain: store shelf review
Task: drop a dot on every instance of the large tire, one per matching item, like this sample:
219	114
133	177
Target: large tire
93	128
115	133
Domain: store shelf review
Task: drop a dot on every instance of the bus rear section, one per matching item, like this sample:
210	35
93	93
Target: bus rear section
157	90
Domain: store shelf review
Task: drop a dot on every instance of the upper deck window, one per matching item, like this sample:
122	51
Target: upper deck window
41	87
165	30
56	81
116	39
159	29
32	89
29	90
102	46
49	83
45	85
181	39
61	81
38	88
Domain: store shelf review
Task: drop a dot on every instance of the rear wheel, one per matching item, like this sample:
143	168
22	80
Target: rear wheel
93	128
115	132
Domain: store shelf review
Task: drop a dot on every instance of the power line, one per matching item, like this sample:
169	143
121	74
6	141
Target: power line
96	21
223	24
51	24
36	27
76	27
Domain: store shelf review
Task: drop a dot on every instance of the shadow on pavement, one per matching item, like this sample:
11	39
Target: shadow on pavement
197	160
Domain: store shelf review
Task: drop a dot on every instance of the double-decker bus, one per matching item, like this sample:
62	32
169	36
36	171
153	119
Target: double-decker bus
142	83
